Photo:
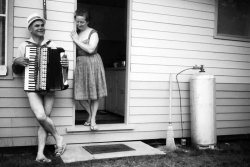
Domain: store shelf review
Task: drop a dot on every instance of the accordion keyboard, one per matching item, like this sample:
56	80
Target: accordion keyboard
30	70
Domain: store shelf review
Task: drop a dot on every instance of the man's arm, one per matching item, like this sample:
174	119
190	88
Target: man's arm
20	61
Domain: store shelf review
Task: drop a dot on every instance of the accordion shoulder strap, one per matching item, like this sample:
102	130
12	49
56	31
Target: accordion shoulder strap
47	43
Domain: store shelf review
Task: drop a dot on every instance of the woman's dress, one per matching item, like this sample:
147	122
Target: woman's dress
90	82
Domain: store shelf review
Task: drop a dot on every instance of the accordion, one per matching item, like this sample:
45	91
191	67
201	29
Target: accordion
44	72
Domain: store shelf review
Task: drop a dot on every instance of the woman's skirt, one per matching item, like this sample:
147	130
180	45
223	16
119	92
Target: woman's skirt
90	81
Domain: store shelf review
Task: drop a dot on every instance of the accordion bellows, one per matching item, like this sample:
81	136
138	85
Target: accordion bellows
44	72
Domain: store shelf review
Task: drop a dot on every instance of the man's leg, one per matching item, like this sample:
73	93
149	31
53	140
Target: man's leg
48	102
36	104
42	136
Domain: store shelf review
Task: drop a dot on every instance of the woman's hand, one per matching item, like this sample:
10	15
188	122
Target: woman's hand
64	61
74	35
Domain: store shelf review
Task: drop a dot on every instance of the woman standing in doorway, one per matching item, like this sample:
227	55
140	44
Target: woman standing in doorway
90	83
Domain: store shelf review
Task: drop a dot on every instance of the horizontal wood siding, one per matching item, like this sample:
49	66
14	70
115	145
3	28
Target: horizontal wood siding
165	36
169	36
18	125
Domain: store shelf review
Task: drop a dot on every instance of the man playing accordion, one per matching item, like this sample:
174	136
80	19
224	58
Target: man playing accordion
41	103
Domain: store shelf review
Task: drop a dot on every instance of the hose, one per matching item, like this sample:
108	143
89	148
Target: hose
180	97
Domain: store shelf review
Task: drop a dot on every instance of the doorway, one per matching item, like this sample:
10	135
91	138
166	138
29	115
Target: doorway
109	18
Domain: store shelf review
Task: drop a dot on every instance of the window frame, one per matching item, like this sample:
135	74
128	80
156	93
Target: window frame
9	40
225	36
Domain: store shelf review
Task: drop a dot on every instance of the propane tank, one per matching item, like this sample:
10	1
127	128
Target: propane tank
202	108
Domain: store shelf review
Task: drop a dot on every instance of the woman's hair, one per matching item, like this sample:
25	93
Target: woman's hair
83	12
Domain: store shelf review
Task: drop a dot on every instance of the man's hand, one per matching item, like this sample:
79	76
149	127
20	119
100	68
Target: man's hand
65	61
21	61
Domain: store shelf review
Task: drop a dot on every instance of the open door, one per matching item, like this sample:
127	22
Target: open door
109	18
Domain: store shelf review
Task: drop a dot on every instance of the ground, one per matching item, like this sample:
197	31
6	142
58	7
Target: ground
228	153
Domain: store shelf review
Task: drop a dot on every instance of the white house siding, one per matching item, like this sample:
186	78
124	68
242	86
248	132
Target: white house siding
169	36
165	36
17	123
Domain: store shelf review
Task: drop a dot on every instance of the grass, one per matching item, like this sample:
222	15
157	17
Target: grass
233	153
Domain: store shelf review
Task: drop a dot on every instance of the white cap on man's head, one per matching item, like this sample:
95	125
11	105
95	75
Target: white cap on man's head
34	17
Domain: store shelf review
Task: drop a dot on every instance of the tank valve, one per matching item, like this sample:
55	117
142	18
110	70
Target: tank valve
201	68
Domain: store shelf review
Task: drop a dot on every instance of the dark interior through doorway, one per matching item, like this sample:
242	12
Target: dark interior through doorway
109	18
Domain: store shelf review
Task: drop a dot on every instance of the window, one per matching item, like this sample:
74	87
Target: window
2	31
6	38
233	20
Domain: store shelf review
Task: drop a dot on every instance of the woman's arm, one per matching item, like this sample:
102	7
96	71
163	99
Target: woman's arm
89	48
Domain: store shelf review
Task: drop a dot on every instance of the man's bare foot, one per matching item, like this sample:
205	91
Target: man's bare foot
60	150
42	159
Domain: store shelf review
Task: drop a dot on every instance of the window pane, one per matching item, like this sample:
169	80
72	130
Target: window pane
234	18
2	40
2	6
